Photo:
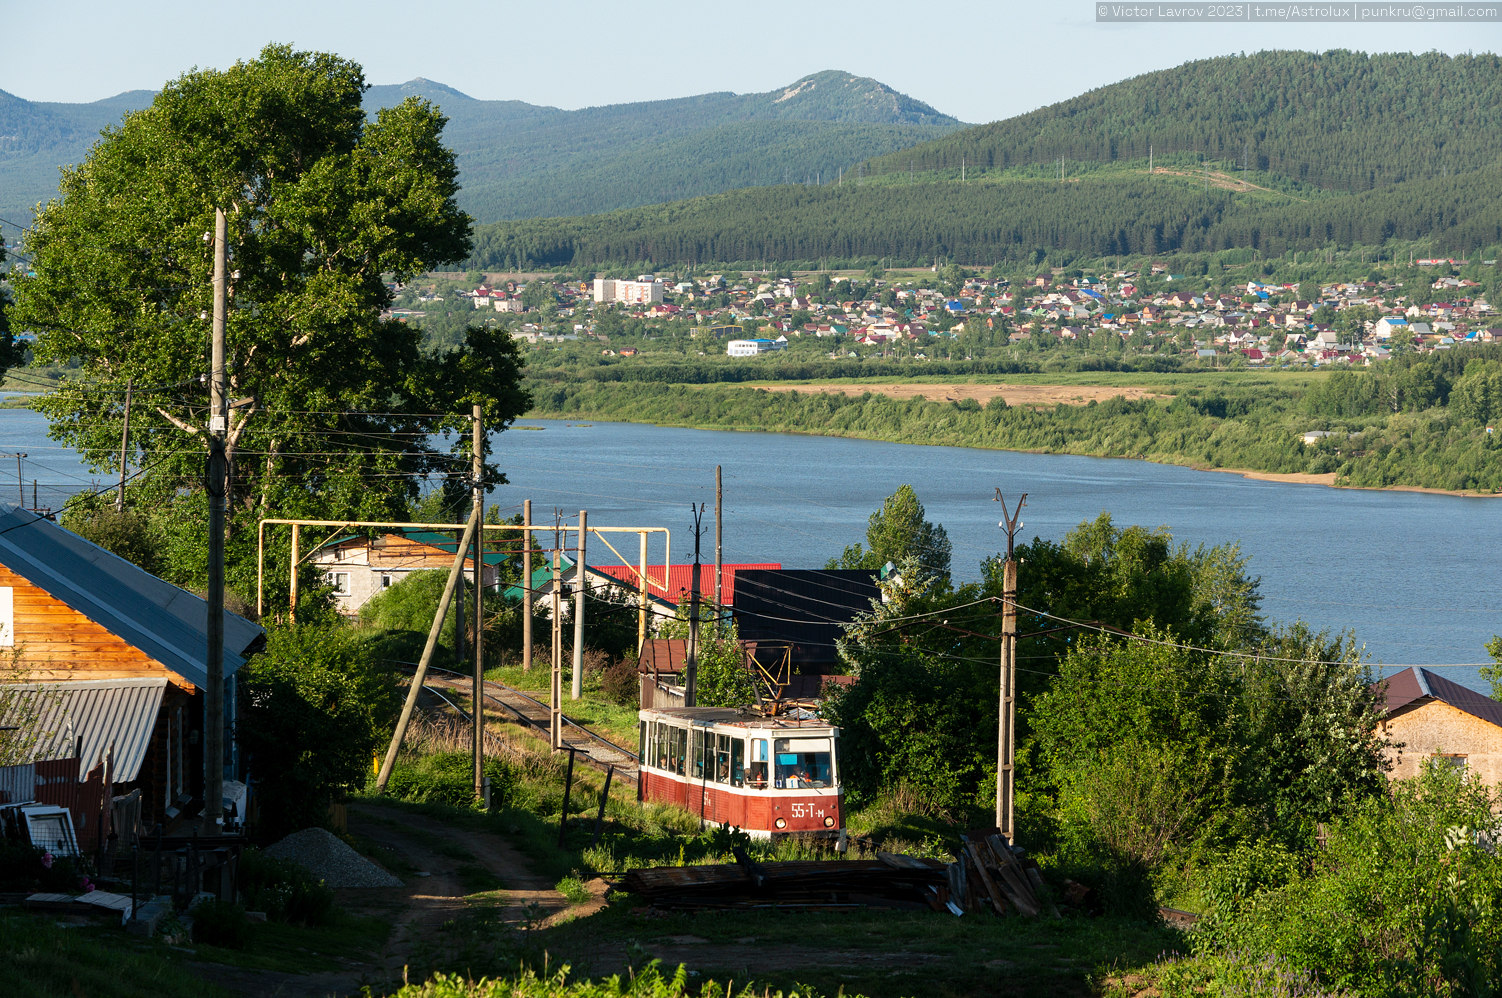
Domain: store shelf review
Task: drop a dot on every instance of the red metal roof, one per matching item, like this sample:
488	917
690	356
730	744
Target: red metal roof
680	578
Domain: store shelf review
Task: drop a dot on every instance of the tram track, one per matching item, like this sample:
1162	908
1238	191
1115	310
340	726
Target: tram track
591	747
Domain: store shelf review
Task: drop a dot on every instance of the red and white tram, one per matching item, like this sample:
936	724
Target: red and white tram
768	776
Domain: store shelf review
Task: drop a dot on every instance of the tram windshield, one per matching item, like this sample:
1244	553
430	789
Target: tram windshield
803	762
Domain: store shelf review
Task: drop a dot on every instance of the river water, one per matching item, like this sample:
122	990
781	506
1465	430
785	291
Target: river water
1412	574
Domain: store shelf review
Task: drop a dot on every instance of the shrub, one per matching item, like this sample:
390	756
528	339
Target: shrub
284	891
314	707
620	682
1405	901
447	778
221	923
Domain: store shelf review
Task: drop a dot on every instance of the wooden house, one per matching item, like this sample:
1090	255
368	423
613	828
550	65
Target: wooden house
360	567
1429	717
113	661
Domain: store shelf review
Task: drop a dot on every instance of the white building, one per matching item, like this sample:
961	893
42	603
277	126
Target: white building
750	348
645	290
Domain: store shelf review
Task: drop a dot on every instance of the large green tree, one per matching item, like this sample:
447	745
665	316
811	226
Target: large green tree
333	406
898	531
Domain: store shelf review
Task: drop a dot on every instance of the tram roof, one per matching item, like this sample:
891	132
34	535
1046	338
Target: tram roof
730	716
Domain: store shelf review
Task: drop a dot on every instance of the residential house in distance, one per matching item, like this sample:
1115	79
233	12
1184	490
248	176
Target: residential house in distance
1430	717
360	567
114	663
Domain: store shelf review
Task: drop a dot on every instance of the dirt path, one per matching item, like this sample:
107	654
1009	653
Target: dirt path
447	866
939	391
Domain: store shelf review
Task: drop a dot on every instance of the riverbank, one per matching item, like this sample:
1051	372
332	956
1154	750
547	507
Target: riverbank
1259	428
1329	481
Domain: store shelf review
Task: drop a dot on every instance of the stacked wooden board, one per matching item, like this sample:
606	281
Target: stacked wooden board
985	875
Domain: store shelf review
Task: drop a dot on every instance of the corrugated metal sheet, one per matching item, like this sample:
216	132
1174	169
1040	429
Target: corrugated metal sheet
102	712
165	622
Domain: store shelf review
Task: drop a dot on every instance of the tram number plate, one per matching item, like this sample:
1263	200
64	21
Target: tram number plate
807	811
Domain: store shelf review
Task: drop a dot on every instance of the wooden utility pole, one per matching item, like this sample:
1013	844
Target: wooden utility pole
477	514
719	498
526	585
213	693
1006	735
555	708
691	674
130	385
576	679
455	571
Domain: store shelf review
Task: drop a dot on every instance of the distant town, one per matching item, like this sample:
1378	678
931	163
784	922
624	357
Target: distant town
1152	311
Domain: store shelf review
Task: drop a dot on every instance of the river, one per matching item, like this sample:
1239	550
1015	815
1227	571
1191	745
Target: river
1412	574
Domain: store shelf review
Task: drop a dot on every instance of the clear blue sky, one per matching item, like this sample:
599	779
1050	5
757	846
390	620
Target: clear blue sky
979	61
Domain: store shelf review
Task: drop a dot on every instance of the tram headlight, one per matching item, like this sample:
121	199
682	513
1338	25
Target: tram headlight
829	822
781	822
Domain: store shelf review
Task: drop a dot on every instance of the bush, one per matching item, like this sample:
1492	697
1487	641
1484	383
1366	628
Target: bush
1405	901
284	891
220	923
620	682
314	708
446	778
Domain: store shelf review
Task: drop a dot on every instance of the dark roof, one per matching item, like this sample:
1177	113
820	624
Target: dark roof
1416	686
165	622
664	655
807	608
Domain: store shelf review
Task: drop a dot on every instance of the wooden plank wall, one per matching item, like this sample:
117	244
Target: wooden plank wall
57	643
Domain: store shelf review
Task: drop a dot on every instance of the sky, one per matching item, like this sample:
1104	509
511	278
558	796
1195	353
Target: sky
978	61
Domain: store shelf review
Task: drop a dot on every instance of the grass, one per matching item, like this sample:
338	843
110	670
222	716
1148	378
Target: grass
301	949
873	952
593	709
46	960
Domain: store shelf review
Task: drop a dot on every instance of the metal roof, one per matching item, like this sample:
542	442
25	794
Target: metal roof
165	622
104	713
1415	686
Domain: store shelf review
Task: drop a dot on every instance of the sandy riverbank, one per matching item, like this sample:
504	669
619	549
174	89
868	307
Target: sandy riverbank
1328	480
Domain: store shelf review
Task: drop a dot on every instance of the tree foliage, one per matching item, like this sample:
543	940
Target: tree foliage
313	707
323	207
900	533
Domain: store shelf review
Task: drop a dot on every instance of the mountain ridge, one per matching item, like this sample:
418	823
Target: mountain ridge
520	160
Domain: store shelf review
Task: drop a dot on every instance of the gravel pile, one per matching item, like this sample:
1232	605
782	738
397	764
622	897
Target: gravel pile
322	854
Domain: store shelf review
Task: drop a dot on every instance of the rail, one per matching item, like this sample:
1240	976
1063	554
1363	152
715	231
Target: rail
510	689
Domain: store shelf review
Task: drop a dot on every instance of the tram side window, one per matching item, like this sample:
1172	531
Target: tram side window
803	762
722	759
680	749
738	762
697	737
758	774
641	745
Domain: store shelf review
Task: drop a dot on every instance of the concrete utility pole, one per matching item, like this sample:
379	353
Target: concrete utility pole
1006	736
213	694
719	499
477	696
130	385
526	585
576	680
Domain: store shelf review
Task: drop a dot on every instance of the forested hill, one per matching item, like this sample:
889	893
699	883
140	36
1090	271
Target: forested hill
519	160
38	137
983	223
1271	152
1339	120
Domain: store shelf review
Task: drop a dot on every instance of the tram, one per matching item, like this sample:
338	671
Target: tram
768	776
